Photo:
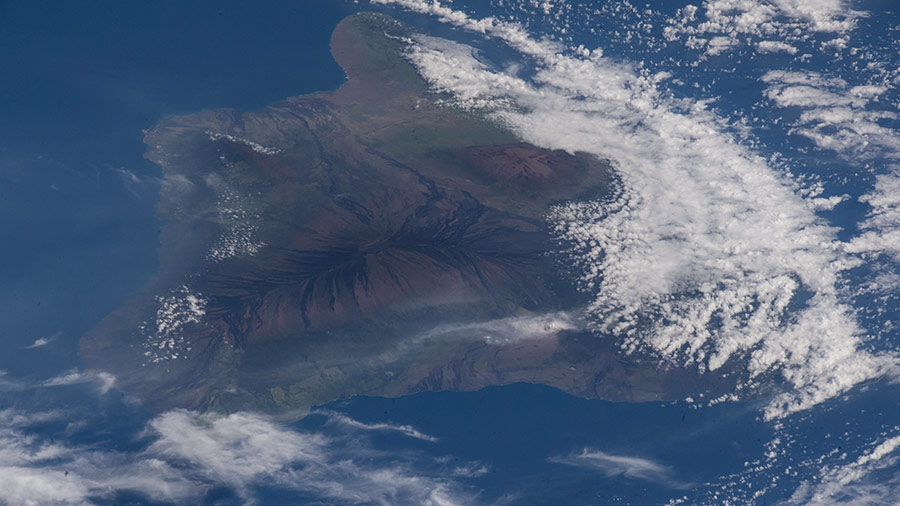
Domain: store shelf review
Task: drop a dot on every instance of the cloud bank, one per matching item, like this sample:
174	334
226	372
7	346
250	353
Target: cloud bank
706	256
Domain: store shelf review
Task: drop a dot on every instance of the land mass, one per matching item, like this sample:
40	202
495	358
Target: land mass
363	241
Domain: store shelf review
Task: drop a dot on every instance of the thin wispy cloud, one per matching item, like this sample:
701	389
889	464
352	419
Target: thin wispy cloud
342	419
104	381
9	384
881	228
507	330
632	467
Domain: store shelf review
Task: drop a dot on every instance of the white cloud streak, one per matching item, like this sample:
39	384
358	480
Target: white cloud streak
38	343
508	330
105	381
346	421
638	468
43	341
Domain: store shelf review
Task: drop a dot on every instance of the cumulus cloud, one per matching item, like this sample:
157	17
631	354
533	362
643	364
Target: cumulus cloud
705	251
835	115
774	46
164	335
724	24
851	121
881	228
637	468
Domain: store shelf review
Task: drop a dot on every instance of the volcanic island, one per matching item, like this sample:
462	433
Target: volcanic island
371	240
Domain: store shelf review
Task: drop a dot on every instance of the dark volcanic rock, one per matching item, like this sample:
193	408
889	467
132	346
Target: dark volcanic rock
360	241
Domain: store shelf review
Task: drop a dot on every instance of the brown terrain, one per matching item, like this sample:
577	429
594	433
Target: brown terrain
310	250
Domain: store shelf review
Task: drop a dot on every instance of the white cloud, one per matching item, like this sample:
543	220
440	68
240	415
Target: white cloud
38	343
851	483
731	22
176	185
827	203
259	148
12	418
238	449
774	46
508	330
36	471
7	384
189	454
850	121
241	222
881	229
163	336
718	45
43	341
638	468
705	248
836	116
824	15
105	381
241	449
345	420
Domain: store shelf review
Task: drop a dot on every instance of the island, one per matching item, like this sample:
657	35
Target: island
370	240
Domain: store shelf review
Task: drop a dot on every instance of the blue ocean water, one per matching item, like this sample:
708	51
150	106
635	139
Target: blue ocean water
524	436
81	83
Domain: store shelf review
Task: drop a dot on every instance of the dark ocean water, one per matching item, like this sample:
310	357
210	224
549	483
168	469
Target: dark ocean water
524	435
81	82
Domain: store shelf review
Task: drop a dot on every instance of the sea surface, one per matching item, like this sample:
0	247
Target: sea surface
82	82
